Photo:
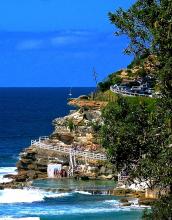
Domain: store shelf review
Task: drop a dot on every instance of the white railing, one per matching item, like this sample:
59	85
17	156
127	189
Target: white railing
122	92
43	138
67	150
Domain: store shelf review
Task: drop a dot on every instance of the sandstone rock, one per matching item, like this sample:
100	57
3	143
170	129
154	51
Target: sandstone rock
124	200
21	178
42	176
32	166
42	168
93	169
10	176
26	160
66	138
126	204
103	177
102	170
42	161
109	171
31	174
83	97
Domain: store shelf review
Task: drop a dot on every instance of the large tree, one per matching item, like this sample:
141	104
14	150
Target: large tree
148	24
137	134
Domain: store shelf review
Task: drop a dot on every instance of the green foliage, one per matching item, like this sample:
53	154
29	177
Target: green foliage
147	24
122	133
140	135
141	72
166	78
138	60
70	124
96	127
160	210
107	96
104	86
111	80
137	131
137	134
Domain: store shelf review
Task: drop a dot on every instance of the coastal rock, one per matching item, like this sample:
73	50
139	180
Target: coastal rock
85	97
103	177
21	177
66	138
102	170
32	174
9	176
74	130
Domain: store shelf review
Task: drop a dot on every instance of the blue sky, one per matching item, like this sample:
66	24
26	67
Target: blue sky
58	42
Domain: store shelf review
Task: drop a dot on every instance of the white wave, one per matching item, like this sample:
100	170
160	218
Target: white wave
27	195
112	202
83	192
29	218
5	171
118	204
56	195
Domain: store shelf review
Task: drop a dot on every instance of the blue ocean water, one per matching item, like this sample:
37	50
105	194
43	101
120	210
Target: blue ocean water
25	114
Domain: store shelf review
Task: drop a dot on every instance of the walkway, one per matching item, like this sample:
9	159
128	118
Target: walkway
128	93
41	143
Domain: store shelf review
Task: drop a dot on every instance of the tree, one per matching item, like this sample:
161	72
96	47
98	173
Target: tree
137	135
148	25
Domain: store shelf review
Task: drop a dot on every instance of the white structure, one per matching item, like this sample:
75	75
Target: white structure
53	170
67	150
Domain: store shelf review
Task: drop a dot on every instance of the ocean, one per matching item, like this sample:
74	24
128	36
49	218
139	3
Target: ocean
25	114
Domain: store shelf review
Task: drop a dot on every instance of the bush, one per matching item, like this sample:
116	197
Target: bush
70	125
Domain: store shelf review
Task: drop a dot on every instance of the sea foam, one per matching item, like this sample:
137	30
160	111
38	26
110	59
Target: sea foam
5	171
27	195
29	218
83	192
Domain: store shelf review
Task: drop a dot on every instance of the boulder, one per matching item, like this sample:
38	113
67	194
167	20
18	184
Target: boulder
1	187
109	171
21	177
42	175
31	174
93	169
32	166
124	200
103	177
42	168
10	176
102	170
42	161
26	160
83	97
126	204
66	138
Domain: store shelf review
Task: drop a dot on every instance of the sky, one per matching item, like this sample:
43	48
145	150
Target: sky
57	43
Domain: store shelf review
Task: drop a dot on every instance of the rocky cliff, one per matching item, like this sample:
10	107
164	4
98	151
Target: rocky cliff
77	130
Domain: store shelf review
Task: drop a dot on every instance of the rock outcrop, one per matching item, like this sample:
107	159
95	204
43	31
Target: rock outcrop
77	130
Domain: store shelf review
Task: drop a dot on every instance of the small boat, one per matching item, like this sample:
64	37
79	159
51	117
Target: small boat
70	92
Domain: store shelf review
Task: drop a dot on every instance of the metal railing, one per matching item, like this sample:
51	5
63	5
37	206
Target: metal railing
43	138
67	150
127	93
